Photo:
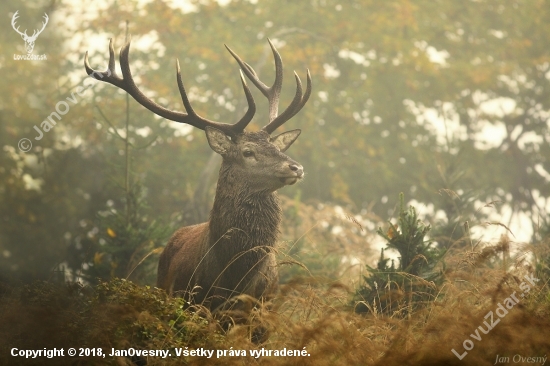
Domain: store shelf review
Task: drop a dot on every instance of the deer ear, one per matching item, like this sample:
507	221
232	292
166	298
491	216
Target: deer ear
285	139
218	141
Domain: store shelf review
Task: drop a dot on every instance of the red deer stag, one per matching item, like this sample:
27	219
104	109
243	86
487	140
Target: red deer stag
232	253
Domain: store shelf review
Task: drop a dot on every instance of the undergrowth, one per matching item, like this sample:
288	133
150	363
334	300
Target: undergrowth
415	281
308	314
119	314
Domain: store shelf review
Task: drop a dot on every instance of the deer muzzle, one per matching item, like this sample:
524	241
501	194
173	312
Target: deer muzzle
296	173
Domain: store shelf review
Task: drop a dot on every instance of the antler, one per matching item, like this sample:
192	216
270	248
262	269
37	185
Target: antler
273	92
13	19
24	34
127	84
37	32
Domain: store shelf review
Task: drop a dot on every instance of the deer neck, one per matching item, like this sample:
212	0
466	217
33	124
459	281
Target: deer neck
242	218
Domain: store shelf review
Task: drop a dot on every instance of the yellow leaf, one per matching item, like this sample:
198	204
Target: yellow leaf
98	258
391	232
111	233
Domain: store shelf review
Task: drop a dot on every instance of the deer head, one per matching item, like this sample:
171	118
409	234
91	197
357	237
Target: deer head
29	40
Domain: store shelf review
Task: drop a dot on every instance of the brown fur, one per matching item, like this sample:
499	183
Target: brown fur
233	253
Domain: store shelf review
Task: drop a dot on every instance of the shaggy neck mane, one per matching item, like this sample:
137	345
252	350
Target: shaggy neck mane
242	219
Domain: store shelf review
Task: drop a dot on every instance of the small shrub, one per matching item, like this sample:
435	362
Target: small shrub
390	289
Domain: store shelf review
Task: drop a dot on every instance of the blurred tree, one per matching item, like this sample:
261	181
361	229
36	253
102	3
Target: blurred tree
45	192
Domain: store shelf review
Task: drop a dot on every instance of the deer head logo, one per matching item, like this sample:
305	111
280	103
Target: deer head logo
29	40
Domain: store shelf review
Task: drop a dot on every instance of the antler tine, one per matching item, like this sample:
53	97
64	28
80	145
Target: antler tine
228	129
14	20
127	84
251	111
273	92
295	106
109	75
44	23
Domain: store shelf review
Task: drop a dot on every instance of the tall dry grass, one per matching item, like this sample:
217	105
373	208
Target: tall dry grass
308	313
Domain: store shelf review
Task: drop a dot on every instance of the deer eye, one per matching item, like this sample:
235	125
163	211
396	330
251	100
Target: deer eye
248	153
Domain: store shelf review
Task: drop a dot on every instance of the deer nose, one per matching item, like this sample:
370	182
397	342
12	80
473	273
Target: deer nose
297	168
